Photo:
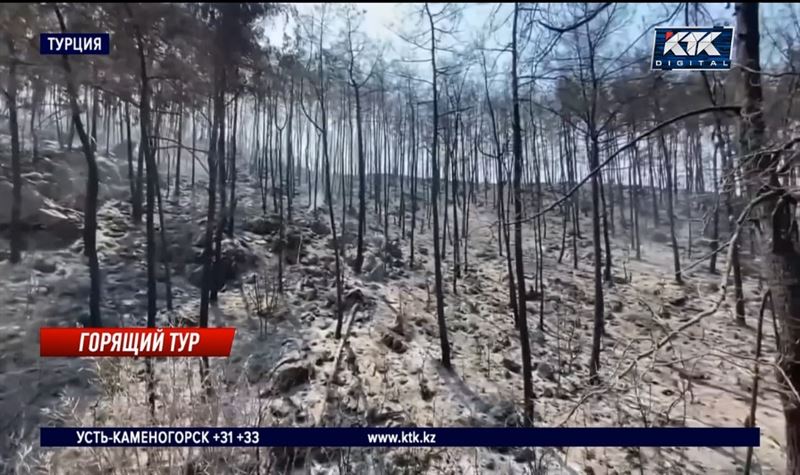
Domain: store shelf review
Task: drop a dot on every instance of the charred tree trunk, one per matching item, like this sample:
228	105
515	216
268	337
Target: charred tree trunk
194	146
166	258
176	192
714	244
653	189
776	217
108	112
666	154
635	196
137	211
454	174
502	229
229	222
414	161
95	110
443	340
90	209
594	362
606	239
129	144
221	222
16	166
39	90
57	118
208	277
520	267
362	185
289	159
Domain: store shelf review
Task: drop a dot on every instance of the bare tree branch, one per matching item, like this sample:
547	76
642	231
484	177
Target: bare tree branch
579	23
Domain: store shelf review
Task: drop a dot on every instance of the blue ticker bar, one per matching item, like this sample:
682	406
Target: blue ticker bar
398	437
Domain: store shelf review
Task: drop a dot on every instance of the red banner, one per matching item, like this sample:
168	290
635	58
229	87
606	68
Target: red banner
158	342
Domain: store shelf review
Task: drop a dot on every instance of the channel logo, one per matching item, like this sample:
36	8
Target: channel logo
688	48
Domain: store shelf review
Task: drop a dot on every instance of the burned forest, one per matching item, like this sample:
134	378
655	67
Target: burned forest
414	215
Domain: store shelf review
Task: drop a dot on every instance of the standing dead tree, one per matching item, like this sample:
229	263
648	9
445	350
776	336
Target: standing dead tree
320	88
437	253
775	218
520	266
90	211
354	52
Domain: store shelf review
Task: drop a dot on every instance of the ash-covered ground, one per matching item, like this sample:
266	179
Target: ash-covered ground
289	370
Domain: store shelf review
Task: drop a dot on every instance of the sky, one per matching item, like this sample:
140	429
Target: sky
383	21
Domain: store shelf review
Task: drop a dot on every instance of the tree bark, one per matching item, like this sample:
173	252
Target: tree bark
520	267
776	218
90	211
362	183
229	223
220	225
670	207
443	340
16	166
36	102
176	192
